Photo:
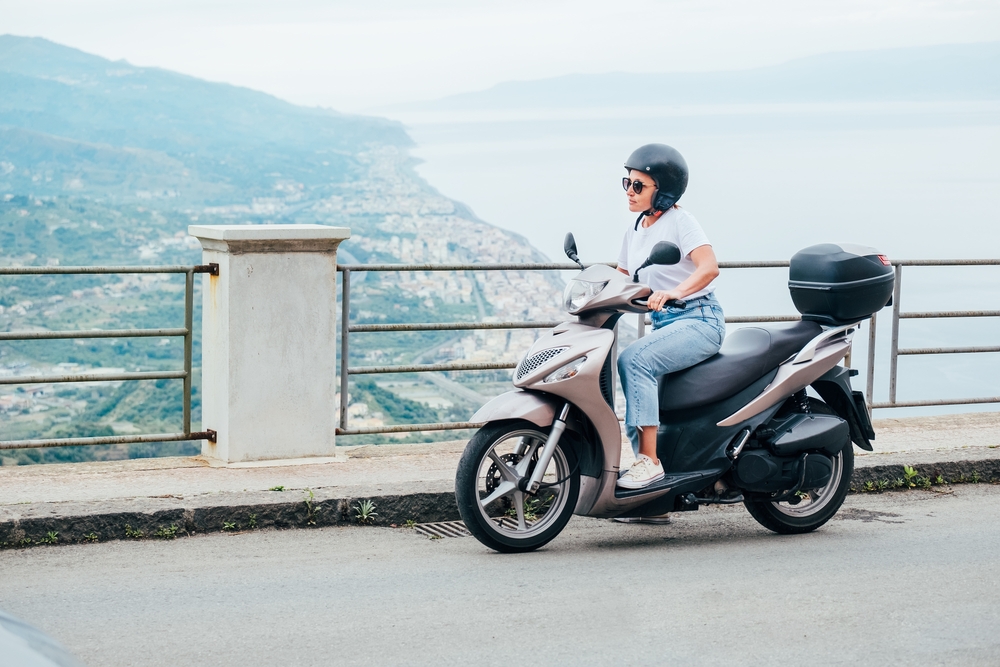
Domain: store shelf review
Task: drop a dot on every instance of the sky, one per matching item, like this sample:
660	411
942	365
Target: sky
357	57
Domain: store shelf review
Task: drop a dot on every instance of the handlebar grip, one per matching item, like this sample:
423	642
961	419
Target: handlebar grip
676	303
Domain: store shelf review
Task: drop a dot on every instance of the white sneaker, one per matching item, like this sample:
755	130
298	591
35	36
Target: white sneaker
642	473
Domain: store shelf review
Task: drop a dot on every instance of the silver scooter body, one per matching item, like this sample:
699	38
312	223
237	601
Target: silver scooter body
585	397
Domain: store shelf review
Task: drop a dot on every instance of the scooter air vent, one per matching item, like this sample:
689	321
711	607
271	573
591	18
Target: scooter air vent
529	364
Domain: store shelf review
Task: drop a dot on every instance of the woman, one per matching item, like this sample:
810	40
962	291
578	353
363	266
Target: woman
657	177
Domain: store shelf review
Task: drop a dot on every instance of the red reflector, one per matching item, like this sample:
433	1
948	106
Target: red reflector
884	260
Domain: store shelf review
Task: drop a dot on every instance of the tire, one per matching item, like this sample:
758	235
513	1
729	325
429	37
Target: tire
512	521
817	506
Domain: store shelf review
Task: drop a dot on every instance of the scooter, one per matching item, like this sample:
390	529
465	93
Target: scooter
738	427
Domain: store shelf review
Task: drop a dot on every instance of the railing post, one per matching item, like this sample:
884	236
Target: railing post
188	345
345	318
269	340
870	379
894	351
641	326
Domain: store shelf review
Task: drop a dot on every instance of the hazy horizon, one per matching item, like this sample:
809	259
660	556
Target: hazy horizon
352	58
916	180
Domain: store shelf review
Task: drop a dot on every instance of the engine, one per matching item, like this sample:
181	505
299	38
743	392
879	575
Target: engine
792	452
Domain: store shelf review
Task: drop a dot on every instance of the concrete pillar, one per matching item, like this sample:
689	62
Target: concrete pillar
269	340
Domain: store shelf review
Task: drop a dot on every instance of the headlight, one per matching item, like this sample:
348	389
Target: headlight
565	372
579	292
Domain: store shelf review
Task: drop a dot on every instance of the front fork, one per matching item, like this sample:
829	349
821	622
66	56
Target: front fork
531	484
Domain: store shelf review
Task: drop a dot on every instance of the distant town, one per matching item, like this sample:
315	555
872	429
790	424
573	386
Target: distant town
394	218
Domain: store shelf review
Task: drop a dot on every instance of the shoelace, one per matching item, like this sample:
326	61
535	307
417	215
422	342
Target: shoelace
639	469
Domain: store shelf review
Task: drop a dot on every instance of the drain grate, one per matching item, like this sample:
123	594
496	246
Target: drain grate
442	529
511	524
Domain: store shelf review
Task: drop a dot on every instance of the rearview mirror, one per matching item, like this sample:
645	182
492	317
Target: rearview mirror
662	253
569	247
665	253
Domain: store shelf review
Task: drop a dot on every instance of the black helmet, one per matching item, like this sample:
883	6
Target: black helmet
668	169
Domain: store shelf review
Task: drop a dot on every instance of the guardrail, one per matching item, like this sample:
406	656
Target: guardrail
185	332
347	329
896	352
346	371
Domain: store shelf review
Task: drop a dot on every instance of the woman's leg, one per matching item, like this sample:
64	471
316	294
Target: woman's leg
679	345
647	442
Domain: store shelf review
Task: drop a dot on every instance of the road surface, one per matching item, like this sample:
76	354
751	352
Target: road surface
900	578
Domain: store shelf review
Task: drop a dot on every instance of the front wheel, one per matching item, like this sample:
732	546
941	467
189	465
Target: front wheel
493	508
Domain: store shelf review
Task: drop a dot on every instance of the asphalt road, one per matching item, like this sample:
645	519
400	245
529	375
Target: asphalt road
902	578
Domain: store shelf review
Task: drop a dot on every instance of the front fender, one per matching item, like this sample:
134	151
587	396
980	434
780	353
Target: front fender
533	406
541	409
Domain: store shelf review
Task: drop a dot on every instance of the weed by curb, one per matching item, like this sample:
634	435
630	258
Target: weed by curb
912	479
311	509
166	532
364	512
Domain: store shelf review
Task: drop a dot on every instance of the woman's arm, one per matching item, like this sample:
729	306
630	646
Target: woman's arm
706	269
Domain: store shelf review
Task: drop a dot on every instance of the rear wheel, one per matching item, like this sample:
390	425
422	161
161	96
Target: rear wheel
809	509
494	509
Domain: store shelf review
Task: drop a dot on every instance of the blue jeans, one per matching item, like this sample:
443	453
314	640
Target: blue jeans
680	339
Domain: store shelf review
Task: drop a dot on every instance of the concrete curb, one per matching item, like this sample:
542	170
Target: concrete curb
69	523
166	518
950	472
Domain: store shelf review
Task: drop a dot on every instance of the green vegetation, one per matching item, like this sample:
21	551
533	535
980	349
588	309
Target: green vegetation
399	410
185	139
166	532
81	186
912	479
364	512
311	508
533	507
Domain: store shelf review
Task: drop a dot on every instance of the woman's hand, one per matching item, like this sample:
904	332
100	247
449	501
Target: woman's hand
706	268
659	298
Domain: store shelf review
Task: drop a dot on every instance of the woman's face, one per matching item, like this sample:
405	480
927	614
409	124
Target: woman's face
644	200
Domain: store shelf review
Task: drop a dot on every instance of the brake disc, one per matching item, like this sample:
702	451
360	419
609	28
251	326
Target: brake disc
493	476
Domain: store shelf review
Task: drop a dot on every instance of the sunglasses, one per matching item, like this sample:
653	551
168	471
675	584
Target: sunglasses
636	186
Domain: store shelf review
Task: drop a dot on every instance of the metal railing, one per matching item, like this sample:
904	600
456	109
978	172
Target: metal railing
896	352
346	328
347	371
186	332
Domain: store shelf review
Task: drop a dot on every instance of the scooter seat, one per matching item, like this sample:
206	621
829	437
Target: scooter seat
745	357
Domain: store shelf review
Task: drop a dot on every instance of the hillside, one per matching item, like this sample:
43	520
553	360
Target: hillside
105	163
75	122
953	72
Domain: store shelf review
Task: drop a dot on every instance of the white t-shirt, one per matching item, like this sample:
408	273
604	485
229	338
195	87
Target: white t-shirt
677	226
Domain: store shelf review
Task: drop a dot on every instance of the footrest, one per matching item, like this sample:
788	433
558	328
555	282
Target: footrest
668	482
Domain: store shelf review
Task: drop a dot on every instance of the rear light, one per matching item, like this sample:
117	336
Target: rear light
885	260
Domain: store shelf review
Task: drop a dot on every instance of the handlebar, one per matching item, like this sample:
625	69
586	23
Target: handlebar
676	303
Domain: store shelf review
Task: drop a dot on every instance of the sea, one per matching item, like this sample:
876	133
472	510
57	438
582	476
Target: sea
914	180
